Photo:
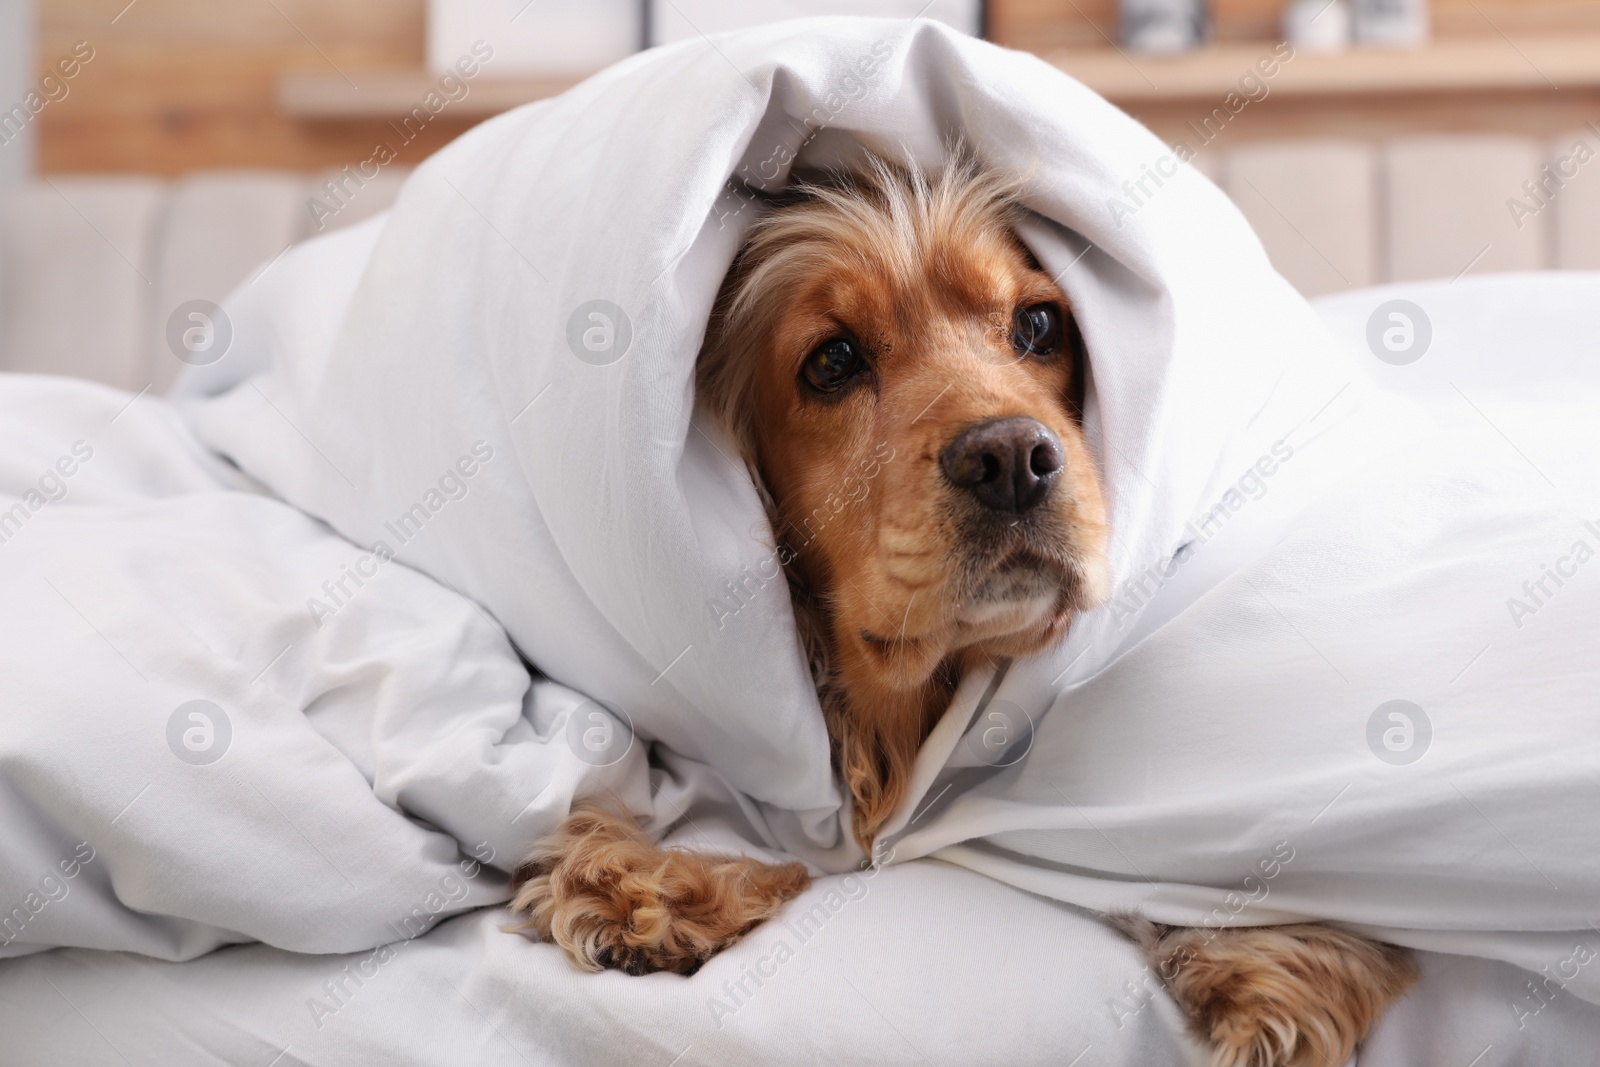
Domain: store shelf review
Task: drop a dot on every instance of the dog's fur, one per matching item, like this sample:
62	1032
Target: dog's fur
933	563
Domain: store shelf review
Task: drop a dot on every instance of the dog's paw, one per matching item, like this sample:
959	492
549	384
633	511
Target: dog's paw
1276	996
611	897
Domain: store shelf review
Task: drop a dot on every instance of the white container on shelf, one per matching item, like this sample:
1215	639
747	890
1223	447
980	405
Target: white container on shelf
1318	25
556	38
1162	26
680	20
1392	23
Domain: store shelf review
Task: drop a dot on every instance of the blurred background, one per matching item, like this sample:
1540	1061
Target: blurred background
157	151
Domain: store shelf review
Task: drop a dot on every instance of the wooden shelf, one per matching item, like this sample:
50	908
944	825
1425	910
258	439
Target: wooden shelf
1450	65
391	94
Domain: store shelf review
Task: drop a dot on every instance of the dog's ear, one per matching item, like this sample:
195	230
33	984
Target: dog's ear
1078	387
1077	392
805	185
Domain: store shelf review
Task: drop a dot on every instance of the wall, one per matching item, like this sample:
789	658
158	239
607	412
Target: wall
16	75
178	85
17	151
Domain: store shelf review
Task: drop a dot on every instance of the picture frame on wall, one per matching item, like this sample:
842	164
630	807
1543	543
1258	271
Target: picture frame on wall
534	38
574	38
667	21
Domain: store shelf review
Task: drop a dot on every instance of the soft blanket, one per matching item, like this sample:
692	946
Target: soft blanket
1312	695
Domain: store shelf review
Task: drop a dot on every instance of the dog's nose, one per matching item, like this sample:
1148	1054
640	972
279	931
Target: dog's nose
1008	464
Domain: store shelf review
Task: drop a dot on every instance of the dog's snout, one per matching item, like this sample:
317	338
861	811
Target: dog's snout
1008	464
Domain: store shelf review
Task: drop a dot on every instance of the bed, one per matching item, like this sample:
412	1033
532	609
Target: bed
920	961
925	963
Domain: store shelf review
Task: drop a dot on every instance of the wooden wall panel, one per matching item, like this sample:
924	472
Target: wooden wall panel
177	85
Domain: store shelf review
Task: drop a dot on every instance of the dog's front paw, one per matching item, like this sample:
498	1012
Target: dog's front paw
1276	996
611	897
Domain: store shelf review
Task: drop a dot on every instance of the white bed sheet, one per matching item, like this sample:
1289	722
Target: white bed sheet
931	964
903	973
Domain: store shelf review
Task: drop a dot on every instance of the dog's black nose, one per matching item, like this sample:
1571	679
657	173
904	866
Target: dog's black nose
1006	463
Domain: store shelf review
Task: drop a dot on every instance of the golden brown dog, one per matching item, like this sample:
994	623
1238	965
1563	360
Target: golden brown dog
887	319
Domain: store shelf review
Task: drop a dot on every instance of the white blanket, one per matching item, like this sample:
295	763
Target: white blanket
1295	545
190	757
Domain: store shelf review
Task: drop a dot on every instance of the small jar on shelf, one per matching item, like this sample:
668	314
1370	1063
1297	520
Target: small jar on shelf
1163	26
1318	25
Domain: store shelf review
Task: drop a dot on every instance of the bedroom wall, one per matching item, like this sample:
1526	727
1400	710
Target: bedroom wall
16	74
178	85
16	151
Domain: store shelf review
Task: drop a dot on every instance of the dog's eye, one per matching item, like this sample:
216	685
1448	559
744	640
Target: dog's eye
1036	330
831	365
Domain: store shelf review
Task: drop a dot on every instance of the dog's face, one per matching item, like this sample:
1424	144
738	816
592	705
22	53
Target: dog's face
908	378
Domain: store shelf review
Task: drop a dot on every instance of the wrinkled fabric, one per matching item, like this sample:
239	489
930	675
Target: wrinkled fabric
1309	696
1297	542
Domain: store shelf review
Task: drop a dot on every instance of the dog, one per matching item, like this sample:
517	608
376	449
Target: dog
884	312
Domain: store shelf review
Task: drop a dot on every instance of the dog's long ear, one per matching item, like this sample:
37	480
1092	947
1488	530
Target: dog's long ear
1078	387
722	395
